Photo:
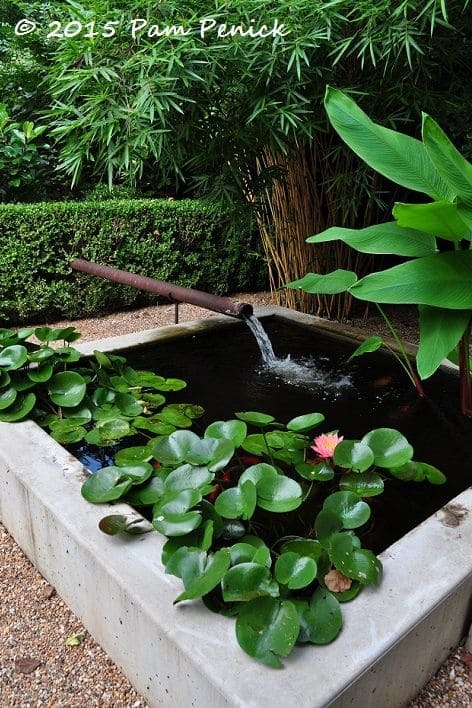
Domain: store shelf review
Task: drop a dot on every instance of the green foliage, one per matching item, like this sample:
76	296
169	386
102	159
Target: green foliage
99	401
207	497
219	102
169	240
437	280
23	156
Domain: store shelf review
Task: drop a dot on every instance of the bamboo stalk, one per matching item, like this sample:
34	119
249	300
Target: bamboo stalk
305	200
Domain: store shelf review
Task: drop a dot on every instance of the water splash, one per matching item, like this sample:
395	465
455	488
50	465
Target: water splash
307	372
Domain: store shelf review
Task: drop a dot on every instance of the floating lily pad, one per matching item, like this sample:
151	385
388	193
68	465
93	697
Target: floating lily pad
267	628
13	357
67	388
20	409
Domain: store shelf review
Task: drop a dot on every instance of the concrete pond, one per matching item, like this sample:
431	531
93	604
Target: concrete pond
394	635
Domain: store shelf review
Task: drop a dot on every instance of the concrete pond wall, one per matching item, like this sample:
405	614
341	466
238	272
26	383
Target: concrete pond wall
394	636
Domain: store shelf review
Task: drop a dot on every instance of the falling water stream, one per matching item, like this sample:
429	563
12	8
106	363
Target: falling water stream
262	339
301	372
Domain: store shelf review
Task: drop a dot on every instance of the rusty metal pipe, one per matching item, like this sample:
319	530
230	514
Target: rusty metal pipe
175	293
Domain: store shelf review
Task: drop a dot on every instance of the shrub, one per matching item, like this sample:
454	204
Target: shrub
169	240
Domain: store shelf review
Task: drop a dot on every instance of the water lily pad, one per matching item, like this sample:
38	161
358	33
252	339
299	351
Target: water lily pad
267	628
174	417
103	360
200	572
368	484
389	446
171	515
357	563
237	502
349	508
128	404
41	354
47	334
175	448
295	571
171	385
247	581
102	396
249	553
20	409
106	485
321	619
172	524
255	444
25	332
432	474
7	397
67	431
42	374
201	539
68	355
408	472
131	455
302	423
4	378
114	524
321	471
214	453
190	410
154	400
234	430
67	388
81	413
353	455
188	477
113	428
146	494
13	357
304	547
327	523
260	420
275	492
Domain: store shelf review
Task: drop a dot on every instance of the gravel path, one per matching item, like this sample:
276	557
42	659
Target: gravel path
47	658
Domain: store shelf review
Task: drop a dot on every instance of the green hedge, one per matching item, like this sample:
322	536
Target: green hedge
185	242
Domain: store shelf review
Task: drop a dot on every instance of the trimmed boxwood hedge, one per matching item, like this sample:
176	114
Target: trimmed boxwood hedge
185	242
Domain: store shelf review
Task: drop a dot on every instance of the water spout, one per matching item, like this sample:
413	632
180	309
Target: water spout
175	293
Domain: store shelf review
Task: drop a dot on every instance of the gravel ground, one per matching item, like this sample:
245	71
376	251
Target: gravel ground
38	664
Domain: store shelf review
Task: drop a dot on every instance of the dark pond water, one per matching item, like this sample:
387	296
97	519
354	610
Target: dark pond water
224	374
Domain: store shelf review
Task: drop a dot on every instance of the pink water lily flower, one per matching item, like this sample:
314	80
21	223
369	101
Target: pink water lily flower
325	444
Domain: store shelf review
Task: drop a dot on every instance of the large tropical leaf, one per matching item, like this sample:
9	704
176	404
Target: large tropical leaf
381	238
448	161
329	284
398	157
437	218
441	280
440	331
